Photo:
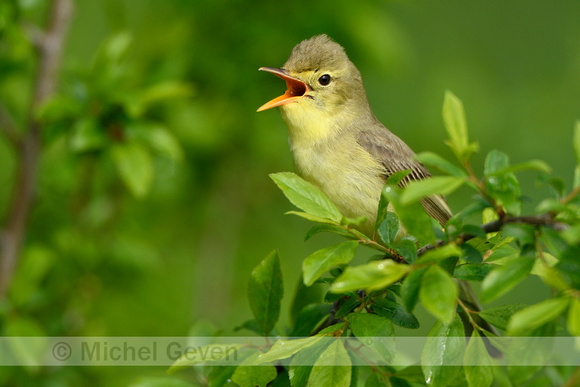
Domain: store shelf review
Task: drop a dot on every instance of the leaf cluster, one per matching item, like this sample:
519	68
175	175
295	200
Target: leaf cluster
415	262
102	115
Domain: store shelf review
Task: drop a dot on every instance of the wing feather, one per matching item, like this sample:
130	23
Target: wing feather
396	156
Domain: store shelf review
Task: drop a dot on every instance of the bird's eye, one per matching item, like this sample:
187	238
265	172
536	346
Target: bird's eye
324	80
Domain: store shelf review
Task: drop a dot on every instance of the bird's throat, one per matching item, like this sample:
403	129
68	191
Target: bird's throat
311	126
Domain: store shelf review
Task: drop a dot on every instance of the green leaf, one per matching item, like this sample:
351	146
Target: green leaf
439	293
550	275
372	276
558	186
444	348
60	107
382	211
333	367
218	351
374	332
331	329
437	185
396	178
251	325
410	288
472	229
495	161
283	349
499	281
87	135
377	380
161	140
471	254
347	306
218	376
531	165
319	228
396	313
135	167
489	215
159	92
310	217
573	320
571	235
309	318
434	160
407	248
117	46
389	228
523	233
26	341
353	221
325	259
35	262
265	291
456	125
110	54
555	243
477	205
302	363
500	316
249	375
504	188
473	271
533	350
537	315
306	196
413	215
441	253
477	363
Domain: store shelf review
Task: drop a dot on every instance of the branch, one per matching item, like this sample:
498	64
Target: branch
571	195
8	127
49	49
538	220
573	379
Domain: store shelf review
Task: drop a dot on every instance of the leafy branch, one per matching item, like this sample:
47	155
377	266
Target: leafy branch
495	226
366	301
49	48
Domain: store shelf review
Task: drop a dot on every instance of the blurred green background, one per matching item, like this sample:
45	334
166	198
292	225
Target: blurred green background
98	261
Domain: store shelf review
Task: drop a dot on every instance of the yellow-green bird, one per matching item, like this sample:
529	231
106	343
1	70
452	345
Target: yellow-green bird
336	141
340	146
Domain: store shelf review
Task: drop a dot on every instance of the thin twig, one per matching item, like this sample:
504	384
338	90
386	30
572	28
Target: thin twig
468	313
373	366
8	127
538	220
571	195
50	51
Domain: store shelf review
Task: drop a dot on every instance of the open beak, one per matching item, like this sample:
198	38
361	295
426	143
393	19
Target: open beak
295	88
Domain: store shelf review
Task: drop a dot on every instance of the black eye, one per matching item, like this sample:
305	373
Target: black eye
324	80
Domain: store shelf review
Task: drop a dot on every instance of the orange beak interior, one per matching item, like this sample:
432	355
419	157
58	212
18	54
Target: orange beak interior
295	89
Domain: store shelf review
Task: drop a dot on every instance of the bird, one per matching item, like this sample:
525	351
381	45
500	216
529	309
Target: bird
337	142
340	146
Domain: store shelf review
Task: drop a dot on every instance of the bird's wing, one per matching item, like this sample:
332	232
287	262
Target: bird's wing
396	156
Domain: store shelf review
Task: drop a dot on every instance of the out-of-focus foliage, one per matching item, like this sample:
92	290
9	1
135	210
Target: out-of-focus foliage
153	203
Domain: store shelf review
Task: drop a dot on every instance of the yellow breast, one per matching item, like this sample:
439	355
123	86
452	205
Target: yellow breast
345	172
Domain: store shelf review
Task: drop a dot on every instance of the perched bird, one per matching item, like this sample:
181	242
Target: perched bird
336	141
340	146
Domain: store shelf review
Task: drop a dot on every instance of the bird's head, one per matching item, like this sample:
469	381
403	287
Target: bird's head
321	83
